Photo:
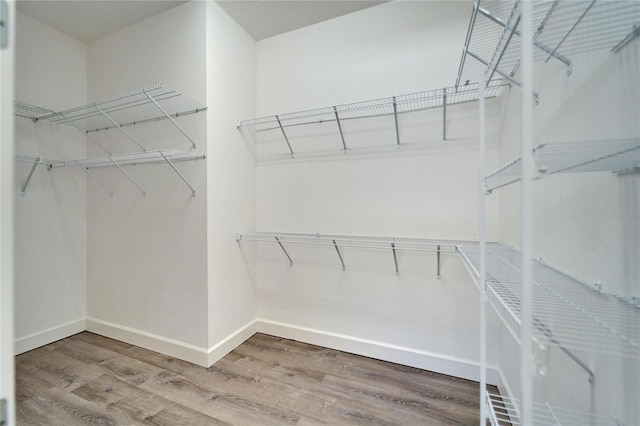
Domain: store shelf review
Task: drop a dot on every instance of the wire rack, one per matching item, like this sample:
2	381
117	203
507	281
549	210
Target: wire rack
506	412
374	108
561	28
147	157
135	107
338	242
566	312
572	157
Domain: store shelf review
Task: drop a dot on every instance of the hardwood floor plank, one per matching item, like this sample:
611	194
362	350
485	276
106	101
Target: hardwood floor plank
88	379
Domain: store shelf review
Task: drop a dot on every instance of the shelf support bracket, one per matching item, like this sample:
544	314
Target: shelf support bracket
395	258
444	115
91	175
33	169
170	118
395	119
504	49
85	133
286	139
507	76
119	126
570	30
633	34
193	191
284	250
339	255
344	145
438	259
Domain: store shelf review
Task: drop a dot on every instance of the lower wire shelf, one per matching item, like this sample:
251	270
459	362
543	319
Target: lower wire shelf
567	313
505	411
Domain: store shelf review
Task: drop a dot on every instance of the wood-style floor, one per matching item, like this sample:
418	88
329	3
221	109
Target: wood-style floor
87	379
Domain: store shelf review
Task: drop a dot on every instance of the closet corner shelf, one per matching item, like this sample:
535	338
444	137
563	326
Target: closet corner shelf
384	107
392	244
561	28
505	411
567	313
572	157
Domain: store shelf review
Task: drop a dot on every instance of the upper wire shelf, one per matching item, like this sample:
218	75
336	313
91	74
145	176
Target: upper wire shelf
561	28
567	313
572	157
504	411
392	106
335	241
139	106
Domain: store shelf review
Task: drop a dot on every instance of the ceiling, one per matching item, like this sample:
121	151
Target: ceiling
89	20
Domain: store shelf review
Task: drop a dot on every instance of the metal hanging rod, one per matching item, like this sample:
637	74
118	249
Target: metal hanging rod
572	157
561	27
392	244
567	313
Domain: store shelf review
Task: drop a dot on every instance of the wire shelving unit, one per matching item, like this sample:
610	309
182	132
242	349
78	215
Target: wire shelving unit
572	157
393	106
338	242
149	104
561	29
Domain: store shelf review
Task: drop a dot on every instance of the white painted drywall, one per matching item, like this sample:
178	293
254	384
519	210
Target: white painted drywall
231	179
425	189
51	218
147	256
584	224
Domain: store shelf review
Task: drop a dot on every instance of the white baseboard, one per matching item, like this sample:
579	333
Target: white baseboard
229	343
438	363
174	348
50	335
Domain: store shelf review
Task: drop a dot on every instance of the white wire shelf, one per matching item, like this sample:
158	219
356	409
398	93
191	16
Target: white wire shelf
572	157
505	411
127	109
164	156
391	106
567	313
561	29
335	241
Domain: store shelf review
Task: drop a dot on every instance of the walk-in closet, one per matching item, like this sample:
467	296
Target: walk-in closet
305	212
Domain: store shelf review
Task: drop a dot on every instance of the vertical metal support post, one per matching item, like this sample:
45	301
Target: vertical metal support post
526	342
438	259
285	251
33	169
344	145
119	126
339	255
395	118
193	191
483	248
444	115
171	119
395	259
286	139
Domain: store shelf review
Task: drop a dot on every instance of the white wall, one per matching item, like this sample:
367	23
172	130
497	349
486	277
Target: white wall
231	182
580	222
425	189
51	218
147	256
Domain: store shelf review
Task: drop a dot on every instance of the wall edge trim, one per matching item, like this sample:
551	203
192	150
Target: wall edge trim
49	335
452	366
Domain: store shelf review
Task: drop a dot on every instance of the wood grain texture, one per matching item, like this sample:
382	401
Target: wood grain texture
88	379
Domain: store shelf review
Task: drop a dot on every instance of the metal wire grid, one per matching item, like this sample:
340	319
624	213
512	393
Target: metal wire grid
128	109
561	28
355	241
505	411
376	107
124	159
572	157
567	312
